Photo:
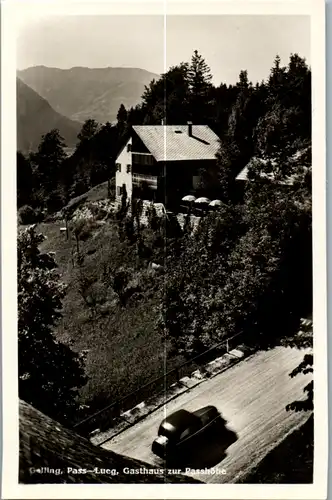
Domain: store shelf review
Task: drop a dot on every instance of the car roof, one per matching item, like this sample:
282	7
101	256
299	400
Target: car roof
207	410
180	419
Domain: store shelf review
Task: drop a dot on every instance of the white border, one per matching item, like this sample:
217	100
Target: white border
12	13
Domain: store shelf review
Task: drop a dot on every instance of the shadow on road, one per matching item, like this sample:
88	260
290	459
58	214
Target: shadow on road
207	449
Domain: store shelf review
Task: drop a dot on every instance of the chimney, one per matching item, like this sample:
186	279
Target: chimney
190	128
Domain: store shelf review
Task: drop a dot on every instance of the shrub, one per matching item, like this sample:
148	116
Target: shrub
83	228
98	211
87	230
28	215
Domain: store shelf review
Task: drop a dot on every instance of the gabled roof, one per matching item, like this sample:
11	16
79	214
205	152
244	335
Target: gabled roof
173	143
46	444
243	176
288	180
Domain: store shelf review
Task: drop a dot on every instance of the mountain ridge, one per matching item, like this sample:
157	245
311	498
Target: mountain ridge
81	92
85	67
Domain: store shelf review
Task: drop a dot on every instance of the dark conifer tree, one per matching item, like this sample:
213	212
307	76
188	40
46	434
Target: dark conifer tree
88	130
199	77
122	115
48	162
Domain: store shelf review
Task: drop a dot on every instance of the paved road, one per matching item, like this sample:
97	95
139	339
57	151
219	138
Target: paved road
251	397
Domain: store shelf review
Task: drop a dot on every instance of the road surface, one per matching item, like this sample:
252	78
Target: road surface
251	397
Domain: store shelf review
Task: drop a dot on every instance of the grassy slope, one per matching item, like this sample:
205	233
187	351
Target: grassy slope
125	352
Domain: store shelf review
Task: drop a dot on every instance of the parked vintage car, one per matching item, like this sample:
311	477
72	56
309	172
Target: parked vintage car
180	429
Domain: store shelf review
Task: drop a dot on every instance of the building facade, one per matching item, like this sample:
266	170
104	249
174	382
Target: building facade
163	163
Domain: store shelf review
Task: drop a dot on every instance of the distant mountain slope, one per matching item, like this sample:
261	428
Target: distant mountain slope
81	93
36	117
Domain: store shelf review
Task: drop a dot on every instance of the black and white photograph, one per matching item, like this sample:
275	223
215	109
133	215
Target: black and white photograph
168	320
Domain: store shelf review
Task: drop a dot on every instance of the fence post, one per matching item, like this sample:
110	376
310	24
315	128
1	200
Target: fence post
177	375
227	346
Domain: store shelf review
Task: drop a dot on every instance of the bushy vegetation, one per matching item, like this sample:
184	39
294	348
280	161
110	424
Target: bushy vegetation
50	373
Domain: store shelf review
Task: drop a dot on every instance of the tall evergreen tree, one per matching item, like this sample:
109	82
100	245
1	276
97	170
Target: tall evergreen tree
88	130
240	119
243	82
48	161
122	115
199	77
276	81
167	98
89	170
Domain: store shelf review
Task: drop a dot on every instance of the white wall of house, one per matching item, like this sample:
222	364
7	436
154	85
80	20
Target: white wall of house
123	174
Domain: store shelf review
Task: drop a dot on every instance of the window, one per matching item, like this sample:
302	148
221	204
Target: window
118	167
119	190
128	169
143	159
128	147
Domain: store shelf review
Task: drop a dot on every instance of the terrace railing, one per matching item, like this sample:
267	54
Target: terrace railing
151	180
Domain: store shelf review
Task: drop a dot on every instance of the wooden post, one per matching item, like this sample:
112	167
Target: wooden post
77	244
72	257
227	346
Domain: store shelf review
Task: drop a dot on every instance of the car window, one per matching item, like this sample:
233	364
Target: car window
205	418
185	434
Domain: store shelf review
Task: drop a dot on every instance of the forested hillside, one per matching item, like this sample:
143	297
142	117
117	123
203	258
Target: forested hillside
36	117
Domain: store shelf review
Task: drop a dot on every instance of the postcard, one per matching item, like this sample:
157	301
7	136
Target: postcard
164	250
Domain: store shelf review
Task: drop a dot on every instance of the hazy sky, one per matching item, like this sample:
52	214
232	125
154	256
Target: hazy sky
228	43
